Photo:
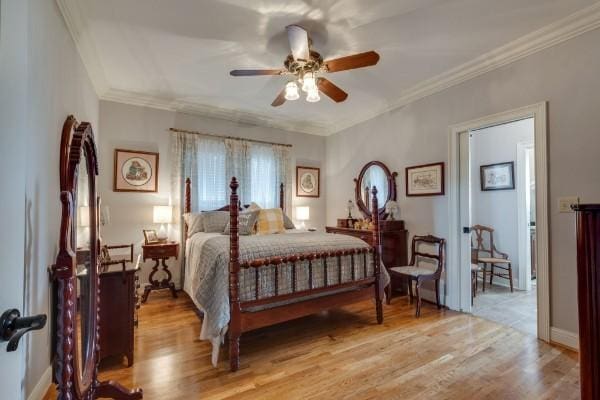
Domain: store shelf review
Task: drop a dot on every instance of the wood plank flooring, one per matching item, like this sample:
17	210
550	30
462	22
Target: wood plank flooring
345	354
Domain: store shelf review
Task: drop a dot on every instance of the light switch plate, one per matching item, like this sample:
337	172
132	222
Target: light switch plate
564	204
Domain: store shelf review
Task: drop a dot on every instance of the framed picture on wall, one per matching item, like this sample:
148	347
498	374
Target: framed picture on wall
500	176
135	171
307	181
425	180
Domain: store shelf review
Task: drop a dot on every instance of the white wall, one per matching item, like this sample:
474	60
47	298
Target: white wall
498	208
57	85
565	75
142	128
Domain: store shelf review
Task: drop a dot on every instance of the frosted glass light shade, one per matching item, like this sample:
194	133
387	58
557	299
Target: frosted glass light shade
313	96
308	82
291	91
163	214
303	213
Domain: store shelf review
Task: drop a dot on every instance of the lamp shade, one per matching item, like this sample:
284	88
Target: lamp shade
163	214
303	213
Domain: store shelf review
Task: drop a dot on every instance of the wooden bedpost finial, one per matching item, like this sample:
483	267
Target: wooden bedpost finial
234	184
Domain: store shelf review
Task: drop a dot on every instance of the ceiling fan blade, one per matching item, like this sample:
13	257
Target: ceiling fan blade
280	99
331	90
351	62
255	72
298	38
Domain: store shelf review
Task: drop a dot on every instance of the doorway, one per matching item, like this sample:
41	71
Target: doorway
501	183
460	213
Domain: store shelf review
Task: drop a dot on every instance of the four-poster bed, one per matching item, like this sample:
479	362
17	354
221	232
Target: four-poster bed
314	264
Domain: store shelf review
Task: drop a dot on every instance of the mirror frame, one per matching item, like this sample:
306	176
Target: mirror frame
75	380
392	192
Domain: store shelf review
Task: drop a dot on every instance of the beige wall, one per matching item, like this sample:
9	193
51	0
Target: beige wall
58	85
141	128
565	75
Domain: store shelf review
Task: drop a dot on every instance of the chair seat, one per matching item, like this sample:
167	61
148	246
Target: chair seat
493	260
475	267
413	271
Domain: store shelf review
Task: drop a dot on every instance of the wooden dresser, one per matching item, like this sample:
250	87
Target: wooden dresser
394	241
118	310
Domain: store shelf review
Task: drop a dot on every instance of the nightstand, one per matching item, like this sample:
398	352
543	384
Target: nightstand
160	253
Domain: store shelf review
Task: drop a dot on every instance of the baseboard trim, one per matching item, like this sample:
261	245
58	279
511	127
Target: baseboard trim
564	338
40	389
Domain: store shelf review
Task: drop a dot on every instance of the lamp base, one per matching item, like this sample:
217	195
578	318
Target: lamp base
162	233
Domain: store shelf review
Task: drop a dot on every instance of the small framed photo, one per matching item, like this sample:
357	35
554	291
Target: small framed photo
135	171
425	180
499	176
308	181
150	236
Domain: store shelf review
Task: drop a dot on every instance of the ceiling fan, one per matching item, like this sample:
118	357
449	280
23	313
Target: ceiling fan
304	66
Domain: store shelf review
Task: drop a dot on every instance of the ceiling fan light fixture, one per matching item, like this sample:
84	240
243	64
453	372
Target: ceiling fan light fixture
313	96
291	91
308	82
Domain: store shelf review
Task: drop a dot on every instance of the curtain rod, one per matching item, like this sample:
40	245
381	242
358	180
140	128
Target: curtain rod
173	130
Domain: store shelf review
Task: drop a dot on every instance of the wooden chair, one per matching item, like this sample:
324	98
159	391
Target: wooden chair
106	260
475	270
420	274
496	259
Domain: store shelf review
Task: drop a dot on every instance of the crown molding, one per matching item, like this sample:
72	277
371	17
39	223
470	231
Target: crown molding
77	27
555	33
233	115
576	24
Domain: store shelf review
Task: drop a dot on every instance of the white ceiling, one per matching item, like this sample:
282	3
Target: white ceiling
178	53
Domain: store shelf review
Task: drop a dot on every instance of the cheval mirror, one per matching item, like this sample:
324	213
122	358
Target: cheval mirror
76	273
375	174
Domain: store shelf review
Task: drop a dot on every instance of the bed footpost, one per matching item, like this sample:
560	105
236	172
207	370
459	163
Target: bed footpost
188	204
281	197
234	269
376	256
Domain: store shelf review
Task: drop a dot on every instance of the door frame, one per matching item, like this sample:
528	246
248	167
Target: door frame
522	189
459	279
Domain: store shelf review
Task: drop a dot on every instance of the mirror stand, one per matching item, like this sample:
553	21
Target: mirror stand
375	174
76	273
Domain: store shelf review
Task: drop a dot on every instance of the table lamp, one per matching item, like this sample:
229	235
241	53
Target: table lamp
302	214
163	215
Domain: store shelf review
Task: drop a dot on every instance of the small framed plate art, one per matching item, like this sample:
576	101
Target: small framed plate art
307	181
135	171
425	180
500	176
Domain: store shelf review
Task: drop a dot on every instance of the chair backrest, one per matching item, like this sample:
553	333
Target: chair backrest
480	232
417	241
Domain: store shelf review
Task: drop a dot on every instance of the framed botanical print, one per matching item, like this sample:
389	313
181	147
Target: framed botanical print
500	176
135	171
307	181
425	180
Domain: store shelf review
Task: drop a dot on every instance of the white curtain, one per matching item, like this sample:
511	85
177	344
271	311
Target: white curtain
210	162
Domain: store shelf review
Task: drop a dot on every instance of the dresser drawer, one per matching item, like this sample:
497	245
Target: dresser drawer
160	251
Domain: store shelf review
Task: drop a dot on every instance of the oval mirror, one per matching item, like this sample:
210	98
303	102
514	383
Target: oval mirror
375	174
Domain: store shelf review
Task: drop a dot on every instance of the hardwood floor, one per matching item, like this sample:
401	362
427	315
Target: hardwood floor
345	354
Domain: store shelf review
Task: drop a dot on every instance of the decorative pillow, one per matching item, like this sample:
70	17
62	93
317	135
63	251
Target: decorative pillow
253	207
270	220
215	221
246	223
194	222
287	222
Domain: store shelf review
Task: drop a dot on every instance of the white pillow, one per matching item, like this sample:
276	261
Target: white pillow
194	222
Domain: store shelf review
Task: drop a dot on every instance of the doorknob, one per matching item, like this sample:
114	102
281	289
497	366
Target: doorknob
466	229
13	327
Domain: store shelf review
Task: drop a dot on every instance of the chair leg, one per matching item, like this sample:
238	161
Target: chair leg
437	293
491	274
417	288
484	276
510	277
410	290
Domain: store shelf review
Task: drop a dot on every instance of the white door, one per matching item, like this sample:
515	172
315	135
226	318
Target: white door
464	139
13	86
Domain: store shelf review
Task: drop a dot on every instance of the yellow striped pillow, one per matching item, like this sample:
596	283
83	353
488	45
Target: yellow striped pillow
270	220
